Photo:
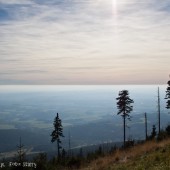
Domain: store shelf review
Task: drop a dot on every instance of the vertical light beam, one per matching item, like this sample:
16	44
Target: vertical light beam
115	13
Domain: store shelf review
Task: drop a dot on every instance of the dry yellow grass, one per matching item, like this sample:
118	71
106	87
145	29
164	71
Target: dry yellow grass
122	156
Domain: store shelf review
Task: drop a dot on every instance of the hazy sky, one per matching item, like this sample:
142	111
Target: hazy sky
84	41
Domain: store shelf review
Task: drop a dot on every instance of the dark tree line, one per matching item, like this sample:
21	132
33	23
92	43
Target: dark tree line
124	106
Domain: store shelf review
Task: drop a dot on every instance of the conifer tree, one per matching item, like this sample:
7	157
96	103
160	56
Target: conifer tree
20	157
21	152
168	95
153	133
124	108
57	133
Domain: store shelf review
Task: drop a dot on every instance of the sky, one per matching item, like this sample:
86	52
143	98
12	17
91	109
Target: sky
84	42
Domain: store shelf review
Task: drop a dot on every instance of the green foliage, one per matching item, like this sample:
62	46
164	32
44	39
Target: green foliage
74	163
99	151
162	135
20	157
168	96
124	108
124	104
153	133
57	132
80	153
41	161
168	130
130	143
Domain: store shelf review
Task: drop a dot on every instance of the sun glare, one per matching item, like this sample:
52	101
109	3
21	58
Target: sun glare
114	15
114	7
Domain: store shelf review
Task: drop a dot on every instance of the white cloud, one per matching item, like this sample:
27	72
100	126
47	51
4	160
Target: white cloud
85	35
19	2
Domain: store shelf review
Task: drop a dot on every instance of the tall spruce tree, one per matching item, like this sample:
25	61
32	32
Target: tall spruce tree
168	95
57	133
124	108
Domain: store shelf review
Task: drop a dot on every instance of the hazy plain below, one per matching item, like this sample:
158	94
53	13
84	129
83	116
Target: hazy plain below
89	113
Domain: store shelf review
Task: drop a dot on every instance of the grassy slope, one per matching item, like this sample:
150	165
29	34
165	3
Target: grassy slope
148	156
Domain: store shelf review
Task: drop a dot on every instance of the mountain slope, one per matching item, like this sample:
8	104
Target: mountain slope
150	155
